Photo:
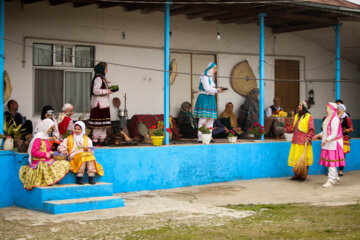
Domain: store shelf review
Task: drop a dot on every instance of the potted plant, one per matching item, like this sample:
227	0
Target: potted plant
205	134
257	130
10	130
232	137
158	135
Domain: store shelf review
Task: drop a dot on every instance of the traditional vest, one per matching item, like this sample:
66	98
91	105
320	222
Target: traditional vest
71	141
303	125
201	86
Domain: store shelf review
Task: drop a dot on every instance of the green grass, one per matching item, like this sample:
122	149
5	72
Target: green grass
285	221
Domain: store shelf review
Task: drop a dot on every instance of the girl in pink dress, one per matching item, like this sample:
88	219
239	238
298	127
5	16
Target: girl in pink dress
332	153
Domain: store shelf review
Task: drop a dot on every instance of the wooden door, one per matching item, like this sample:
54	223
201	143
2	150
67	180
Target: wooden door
287	91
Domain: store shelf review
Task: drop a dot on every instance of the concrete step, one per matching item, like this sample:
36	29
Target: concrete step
72	191
82	204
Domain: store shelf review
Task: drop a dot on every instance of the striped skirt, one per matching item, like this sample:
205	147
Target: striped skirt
205	106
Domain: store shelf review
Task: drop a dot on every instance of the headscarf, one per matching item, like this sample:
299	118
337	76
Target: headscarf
43	128
66	109
229	114
254	99
46	110
209	71
183	109
332	113
305	108
100	68
342	107
79	138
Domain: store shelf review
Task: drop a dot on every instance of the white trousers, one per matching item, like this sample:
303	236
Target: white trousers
208	122
98	134
333	173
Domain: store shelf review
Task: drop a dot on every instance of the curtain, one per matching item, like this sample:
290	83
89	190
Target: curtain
42	54
77	90
48	89
84	56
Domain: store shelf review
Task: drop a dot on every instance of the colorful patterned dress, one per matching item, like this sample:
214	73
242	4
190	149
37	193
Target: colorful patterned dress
347	127
43	170
303	129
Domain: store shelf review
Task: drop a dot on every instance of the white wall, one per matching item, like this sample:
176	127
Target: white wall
144	88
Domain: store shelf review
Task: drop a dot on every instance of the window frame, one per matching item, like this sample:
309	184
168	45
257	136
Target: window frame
64	67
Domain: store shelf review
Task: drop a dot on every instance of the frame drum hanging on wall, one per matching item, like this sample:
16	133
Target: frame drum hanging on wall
243	79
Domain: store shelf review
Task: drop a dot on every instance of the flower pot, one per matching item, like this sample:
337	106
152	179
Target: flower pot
206	138
251	135
157	140
1	142
9	143
232	139
288	136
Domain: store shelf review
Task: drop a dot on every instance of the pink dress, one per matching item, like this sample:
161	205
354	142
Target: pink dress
332	153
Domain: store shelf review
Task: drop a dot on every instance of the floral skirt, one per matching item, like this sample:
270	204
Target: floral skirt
44	174
346	147
205	107
82	157
332	158
296	151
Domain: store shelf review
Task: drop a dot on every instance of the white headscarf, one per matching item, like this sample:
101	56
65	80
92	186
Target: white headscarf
42	133
342	108
65	111
79	138
331	112
210	69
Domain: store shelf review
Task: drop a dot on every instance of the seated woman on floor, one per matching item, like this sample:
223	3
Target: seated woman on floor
186	121
42	169
64	121
78	148
219	130
229	119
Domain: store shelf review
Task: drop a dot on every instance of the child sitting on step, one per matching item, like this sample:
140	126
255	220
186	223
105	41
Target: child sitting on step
79	149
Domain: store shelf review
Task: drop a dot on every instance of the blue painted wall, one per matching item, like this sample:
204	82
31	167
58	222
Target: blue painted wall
149	168
7	176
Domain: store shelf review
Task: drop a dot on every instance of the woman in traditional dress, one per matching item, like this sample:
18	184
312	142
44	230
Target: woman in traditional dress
229	119
186	121
249	111
47	112
100	119
64	121
332	153
347	128
303	131
81	155
205	107
42	170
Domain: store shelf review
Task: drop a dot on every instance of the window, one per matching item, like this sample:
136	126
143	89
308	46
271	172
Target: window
63	73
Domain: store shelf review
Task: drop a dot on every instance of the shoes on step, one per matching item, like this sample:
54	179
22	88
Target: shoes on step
337	180
294	178
341	174
91	180
328	184
301	179
79	180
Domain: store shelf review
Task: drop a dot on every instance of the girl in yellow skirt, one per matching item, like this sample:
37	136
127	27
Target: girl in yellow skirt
42	170
304	130
81	155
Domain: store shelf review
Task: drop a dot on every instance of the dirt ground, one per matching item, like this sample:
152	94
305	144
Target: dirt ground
196	205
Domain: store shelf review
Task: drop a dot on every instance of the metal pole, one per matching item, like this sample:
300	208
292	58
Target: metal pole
166	68
261	71
2	58
337	62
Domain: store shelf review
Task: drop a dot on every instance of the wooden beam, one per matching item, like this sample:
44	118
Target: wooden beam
303	18
186	10
205	13
241	20
82	3
58	2
152	8
107	4
295	28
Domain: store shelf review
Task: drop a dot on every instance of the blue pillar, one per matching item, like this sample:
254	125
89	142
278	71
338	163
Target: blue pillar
166	68
337	62
261	71
2	58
